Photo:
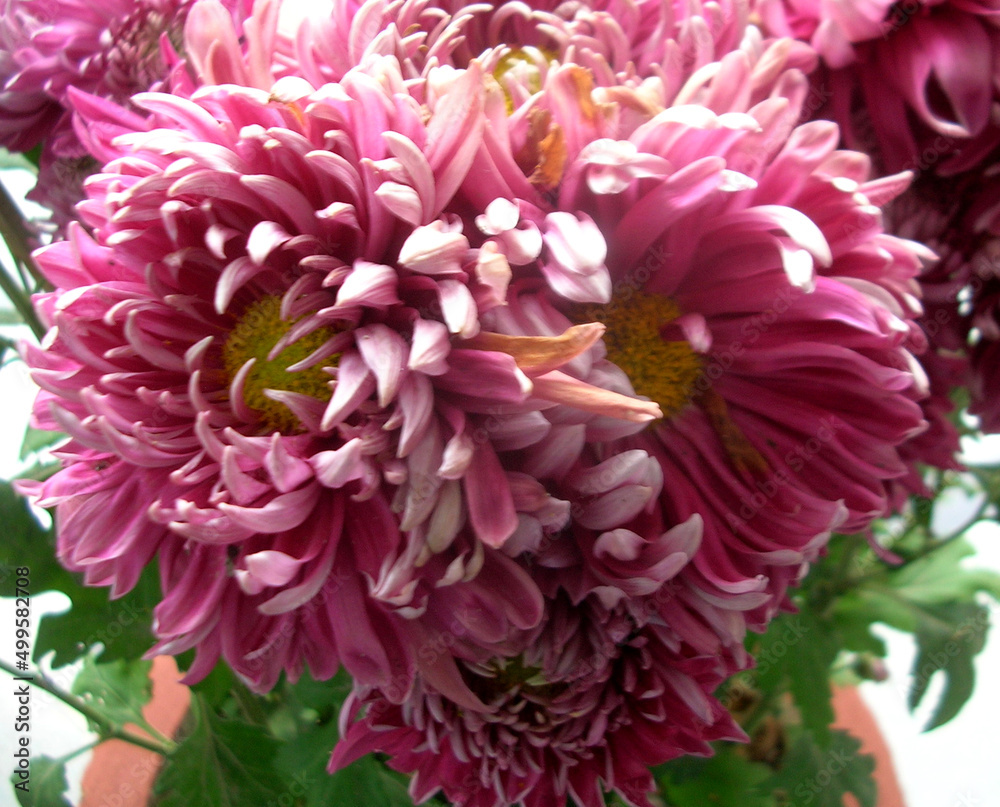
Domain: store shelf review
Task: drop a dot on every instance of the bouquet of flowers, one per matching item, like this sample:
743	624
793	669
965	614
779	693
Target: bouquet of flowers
490	376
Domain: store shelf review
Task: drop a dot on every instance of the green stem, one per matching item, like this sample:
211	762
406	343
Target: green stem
19	239
20	300
81	750
106	728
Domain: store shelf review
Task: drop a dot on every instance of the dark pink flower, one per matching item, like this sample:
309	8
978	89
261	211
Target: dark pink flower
112	49
592	698
750	291
270	361
916	79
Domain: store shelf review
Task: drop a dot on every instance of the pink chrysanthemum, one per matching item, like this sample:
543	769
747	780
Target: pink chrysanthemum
269	360
741	270
985	350
112	49
923	75
595	696
615	40
958	217
766	313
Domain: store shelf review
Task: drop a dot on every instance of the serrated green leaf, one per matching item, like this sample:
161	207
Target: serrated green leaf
949	647
216	687
122	626
323	696
938	577
27	543
727	779
36	440
304	757
118	690
853	620
797	651
366	781
224	763
820	777
46	786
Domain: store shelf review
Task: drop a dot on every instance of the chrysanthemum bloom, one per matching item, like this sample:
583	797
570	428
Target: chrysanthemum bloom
749	290
596	695
617	41
984	337
740	268
619	676
985	384
112	49
922	74
269	360
956	215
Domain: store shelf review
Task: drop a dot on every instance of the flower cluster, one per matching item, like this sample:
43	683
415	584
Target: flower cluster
917	85
516	358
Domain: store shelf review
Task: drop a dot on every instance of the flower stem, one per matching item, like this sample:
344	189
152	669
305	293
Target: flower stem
17	235
106	728
19	298
19	241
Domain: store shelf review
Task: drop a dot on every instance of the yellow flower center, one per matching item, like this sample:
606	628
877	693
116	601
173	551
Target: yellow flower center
255	334
521	65
664	371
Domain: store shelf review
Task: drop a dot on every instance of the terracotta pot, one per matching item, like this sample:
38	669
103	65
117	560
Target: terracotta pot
852	714
121	774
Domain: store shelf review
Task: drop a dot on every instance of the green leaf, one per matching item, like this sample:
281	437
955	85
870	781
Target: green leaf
26	543
45	787
122	626
322	696
727	779
819	777
224	763
366	781
938	577
949	647
10	160
36	439
304	756
216	687
935	598
798	650
118	689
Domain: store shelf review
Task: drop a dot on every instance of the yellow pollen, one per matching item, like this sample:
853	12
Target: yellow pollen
256	332
664	371
521	65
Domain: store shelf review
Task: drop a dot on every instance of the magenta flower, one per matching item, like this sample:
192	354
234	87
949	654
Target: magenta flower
112	49
270	361
985	348
747	285
619	42
750	292
922	75
593	698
